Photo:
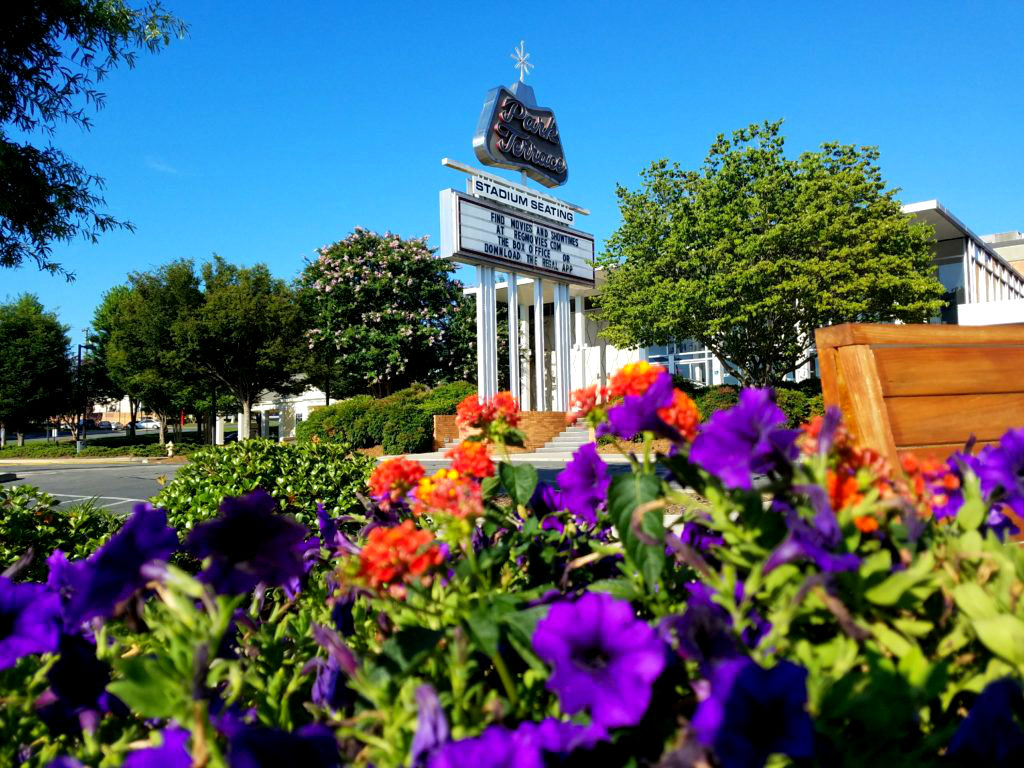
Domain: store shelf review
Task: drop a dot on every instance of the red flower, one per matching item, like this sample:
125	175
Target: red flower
506	408
397	555
634	378
472	459
682	415
501	408
393	478
446	492
472	413
583	401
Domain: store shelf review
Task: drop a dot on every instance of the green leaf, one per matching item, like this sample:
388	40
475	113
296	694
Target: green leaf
623	589
519	481
484	630
891	640
1004	636
975	601
408	646
148	691
625	495
893	588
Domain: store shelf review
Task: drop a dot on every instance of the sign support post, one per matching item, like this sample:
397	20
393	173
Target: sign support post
486	334
538	343
513	333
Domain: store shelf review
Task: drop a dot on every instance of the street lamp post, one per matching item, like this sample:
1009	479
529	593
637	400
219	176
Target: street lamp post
80	443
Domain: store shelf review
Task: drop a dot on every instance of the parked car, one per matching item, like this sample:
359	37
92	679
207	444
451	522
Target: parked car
104	425
147	424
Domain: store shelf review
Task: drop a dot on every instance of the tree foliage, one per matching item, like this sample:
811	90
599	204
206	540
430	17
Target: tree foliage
246	334
752	251
53	54
385	313
135	336
35	376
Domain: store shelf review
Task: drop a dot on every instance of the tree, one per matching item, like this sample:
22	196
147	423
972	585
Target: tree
35	375
53	53
136	339
753	251
246	334
381	312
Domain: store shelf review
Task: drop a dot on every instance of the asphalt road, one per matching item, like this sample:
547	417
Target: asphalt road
117	486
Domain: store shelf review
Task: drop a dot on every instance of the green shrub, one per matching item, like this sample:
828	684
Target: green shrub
343	422
444	398
716	398
407	429
400	423
33	519
815	406
298	475
794	404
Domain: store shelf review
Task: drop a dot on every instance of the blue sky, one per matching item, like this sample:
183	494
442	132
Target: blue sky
275	128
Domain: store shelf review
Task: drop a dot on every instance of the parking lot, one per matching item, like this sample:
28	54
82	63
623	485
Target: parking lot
116	487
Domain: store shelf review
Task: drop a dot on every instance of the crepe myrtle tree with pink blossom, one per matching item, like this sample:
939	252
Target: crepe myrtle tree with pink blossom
382	312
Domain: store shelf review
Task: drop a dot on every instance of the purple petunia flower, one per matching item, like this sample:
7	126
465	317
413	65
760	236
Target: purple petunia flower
330	688
29	621
64	762
703	633
173	753
746	440
603	658
431	726
331	535
77	696
1001	471
546	500
584	483
312	746
93	587
250	543
499	747
495	747
815	541
700	537
990	735
639	413
753	712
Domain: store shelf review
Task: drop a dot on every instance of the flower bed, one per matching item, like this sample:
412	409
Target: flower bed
812	607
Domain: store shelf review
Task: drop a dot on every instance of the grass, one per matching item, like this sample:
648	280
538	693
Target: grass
142	445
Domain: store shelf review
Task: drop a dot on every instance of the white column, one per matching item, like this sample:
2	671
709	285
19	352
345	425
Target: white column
486	334
241	434
218	431
562	344
513	334
538	344
581	339
526	371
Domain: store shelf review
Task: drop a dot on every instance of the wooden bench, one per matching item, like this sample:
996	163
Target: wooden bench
923	389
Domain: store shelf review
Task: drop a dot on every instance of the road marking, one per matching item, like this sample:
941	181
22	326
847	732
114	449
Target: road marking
119	499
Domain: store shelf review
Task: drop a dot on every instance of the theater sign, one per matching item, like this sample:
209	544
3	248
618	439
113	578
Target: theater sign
478	231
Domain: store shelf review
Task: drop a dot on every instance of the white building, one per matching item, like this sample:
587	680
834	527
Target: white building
983	286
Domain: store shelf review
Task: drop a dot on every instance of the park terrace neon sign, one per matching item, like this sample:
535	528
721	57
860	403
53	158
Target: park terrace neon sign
514	133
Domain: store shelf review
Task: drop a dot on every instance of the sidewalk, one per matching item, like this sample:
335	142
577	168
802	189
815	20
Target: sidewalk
543	459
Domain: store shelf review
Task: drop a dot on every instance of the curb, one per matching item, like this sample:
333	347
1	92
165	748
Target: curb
70	462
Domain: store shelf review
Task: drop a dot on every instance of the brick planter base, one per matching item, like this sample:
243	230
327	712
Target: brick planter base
539	427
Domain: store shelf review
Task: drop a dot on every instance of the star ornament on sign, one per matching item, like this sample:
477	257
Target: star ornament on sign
522	64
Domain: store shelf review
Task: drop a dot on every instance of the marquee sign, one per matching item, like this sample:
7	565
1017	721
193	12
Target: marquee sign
479	232
521	198
513	132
